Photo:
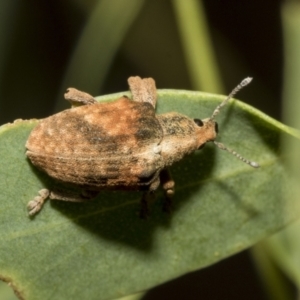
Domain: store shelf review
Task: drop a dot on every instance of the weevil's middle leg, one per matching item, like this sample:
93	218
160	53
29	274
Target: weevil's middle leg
144	208
78	98
148	197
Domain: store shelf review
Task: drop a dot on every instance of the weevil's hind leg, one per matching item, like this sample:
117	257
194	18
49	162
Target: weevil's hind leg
83	196
35	205
143	90
78	98
168	185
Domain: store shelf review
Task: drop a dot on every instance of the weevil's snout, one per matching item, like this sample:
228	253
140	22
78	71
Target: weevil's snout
208	128
207	131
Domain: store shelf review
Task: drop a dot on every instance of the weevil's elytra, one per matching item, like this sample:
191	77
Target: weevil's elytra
121	145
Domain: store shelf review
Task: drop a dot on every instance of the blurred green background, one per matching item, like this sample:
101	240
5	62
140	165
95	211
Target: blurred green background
47	46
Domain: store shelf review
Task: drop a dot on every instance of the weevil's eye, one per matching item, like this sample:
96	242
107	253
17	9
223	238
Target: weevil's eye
216	127
198	122
202	146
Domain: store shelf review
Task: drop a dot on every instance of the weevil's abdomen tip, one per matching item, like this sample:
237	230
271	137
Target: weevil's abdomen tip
254	164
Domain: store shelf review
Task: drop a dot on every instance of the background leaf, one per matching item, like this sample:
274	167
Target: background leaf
283	248
98	44
199	53
102	250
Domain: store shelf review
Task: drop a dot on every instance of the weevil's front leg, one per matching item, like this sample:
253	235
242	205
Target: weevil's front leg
168	185
78	98
143	90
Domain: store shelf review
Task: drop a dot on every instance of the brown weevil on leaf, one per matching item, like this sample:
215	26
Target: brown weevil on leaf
120	145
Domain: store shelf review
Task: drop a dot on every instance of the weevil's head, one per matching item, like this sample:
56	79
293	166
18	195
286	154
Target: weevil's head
206	131
183	135
208	128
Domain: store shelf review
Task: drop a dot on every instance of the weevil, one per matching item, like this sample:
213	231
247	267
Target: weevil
119	145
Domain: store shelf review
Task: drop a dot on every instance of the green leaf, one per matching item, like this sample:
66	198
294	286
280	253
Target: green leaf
102	250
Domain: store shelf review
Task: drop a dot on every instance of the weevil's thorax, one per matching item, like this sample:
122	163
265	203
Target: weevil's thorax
182	135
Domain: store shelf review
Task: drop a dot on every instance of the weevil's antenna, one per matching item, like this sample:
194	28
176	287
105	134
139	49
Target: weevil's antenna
251	163
243	83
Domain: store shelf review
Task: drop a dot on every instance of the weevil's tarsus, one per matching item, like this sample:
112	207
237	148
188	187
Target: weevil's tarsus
243	83
143	90
250	163
35	205
78	98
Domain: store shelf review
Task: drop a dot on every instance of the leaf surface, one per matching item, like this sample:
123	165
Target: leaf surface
102	250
